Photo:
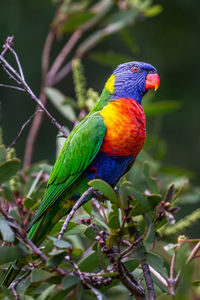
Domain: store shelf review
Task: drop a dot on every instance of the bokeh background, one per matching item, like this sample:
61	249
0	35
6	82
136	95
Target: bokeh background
169	40
163	33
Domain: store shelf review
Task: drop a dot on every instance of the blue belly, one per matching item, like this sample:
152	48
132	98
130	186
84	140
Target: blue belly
109	168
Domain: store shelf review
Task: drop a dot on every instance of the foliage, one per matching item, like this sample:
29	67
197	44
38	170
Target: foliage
144	206
128	227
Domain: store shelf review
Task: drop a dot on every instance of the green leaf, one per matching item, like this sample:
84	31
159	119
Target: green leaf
156	262
46	168
152	183
23	285
28	202
89	262
56	259
60	243
77	252
139	253
88	207
70	281
105	189
161	107
76	20
8	254
169	195
76	230
6	231
113	222
9	168
127	16
109	58
154	200
139	198
131	264
153	11
46	292
2	152
8	293
57	98
39	275
35	182
90	233
57	228
150	236
112	239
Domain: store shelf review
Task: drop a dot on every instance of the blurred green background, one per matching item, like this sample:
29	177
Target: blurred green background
169	41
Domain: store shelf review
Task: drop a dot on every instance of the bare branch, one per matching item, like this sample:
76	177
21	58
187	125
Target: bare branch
10	75
17	61
63	54
194	252
20	80
162	279
130	248
172	266
22	128
12	87
62	73
14	284
125	276
21	234
148	280
74	209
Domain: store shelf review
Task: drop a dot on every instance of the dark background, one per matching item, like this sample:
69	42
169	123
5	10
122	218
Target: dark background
169	41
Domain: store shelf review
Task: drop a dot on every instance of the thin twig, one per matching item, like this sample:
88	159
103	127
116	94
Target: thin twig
30	142
12	87
21	234
74	209
10	68
112	255
9	41
17	61
46	54
162	279
194	252
63	54
22	128
148	280
172	266
135	243
96	292
14	284
16	77
10	75
62	73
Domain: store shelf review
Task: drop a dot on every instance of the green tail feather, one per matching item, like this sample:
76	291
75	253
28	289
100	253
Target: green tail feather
37	234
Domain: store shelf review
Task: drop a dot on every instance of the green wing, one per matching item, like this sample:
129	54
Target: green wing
79	150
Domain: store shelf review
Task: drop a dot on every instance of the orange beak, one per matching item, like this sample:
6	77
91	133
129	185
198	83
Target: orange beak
152	81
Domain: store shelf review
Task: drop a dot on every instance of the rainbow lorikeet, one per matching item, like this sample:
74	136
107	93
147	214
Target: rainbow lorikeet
104	145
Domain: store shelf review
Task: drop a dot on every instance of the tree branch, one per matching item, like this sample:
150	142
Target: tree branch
21	81
148	280
74	209
194	252
21	234
22	128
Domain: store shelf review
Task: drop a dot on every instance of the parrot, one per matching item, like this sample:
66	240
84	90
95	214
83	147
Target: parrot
103	145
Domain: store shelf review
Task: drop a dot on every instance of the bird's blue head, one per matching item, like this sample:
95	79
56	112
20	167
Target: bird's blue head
132	80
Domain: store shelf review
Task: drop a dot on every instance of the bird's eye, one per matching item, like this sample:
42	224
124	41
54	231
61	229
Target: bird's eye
135	69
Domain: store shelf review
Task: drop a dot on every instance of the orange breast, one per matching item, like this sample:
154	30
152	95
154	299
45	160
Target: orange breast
126	130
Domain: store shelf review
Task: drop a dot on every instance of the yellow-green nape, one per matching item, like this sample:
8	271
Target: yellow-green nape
110	84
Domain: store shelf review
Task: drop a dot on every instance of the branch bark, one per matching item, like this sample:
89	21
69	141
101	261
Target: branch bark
74	209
